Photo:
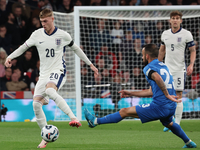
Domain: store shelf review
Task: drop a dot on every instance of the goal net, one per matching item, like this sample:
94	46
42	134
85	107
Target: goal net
112	38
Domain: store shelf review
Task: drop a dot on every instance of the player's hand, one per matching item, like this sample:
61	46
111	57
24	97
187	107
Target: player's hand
189	69
124	93
96	73
8	62
173	98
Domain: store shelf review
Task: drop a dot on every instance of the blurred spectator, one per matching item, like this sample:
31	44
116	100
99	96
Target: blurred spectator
112	2
138	79
99	36
33	3
126	47
22	77
26	10
3	111
4	10
178	2
138	32
15	84
148	39
109	58
35	76
13	30
3	56
84	75
157	32
117	33
90	53
66	6
106	77
133	3
5	39
14	63
135	56
122	3
35	73
5	79
32	84
101	63
78	3
114	89
144	2
98	92
27	63
169	3
95	3
193	3
35	24
2	70
42	4
148	25
162	2
21	22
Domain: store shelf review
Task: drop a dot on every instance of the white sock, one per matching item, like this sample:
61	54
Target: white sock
179	112
39	113
95	121
60	102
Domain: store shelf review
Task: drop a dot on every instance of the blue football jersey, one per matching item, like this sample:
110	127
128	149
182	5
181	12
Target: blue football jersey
158	96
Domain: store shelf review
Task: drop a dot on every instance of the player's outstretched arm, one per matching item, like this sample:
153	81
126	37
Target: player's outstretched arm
15	54
143	93
192	60
161	54
159	81
96	73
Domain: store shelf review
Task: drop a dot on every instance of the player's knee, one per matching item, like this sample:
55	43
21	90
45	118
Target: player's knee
168	125
123	112
50	92
37	105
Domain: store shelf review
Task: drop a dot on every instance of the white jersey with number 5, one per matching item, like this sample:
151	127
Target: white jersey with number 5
51	49
175	46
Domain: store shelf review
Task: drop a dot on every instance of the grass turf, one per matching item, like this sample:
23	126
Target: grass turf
124	135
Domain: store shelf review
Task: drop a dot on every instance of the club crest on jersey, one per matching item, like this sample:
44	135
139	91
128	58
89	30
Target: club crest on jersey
58	42
179	39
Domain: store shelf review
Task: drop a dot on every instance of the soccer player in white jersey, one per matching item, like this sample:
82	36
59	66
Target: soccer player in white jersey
51	43
174	43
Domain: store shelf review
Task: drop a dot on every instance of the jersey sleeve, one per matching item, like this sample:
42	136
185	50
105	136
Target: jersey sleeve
31	41
148	71
162	39
189	39
68	39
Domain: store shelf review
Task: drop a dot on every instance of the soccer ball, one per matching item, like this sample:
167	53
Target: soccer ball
50	133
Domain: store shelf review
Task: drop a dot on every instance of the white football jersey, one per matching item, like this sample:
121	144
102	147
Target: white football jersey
175	46
50	48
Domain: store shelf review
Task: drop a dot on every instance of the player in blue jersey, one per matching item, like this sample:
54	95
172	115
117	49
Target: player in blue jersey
161	89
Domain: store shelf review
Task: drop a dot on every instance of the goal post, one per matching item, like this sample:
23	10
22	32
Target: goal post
138	21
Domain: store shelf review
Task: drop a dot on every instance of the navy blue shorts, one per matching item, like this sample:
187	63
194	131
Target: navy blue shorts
151	112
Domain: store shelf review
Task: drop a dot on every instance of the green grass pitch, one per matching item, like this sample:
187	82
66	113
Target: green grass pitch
121	136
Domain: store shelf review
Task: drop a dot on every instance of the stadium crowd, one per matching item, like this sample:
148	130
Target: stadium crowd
114	46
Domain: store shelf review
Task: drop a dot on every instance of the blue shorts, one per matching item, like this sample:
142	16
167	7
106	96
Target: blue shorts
152	111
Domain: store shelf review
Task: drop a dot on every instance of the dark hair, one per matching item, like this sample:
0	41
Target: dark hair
176	13
152	50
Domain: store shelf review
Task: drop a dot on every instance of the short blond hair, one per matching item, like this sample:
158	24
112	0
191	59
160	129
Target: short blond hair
46	13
